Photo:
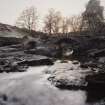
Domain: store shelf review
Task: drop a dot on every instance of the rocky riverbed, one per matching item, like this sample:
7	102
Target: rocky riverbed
70	75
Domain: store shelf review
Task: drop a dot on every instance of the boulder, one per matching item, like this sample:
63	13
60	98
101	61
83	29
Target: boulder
19	63
30	44
97	53
35	60
44	51
13	58
8	66
68	75
6	41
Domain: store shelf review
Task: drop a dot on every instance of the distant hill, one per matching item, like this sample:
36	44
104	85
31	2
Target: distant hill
12	31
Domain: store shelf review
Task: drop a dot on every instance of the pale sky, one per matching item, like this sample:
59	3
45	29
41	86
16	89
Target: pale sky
10	9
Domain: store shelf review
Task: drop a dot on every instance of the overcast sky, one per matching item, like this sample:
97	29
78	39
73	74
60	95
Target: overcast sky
10	9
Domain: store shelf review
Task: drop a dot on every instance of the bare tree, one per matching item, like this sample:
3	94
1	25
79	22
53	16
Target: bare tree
57	22
48	21
75	23
65	27
28	19
52	22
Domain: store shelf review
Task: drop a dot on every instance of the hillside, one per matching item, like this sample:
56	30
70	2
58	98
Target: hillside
11	31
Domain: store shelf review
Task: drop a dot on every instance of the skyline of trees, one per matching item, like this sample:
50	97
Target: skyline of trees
28	19
54	22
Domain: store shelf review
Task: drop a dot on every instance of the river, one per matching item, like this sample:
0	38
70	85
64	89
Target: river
33	88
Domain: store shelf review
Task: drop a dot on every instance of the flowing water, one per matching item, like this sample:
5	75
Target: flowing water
32	88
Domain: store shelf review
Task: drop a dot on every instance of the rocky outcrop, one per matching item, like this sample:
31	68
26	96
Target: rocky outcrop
6	41
8	66
69	75
14	58
35	60
19	63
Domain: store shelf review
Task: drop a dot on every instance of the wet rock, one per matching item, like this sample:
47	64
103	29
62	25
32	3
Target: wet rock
40	51
6	41
75	62
102	60
14	58
8	66
97	53
36	60
68	80
30	44
18	62
44	51
84	66
68	75
88	64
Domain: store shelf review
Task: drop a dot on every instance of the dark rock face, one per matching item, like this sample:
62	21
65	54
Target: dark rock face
45	52
5	41
35	60
19	61
15	57
31	44
7	66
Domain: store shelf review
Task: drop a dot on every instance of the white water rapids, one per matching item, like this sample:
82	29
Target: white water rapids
32	88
